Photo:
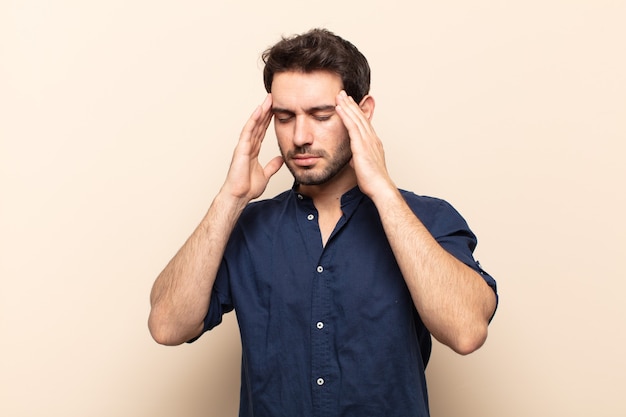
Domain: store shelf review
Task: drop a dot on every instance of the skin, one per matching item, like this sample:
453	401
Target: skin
314	143
328	143
313	139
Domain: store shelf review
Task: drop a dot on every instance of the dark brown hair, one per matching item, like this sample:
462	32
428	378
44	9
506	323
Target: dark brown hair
319	49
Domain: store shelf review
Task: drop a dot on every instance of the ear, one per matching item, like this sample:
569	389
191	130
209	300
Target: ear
367	105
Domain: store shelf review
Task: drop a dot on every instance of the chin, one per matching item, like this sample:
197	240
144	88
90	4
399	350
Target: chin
320	176
310	176
308	180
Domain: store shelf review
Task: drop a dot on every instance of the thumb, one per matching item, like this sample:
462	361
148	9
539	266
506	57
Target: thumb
273	166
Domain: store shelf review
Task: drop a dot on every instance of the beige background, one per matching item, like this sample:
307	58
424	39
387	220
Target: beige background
117	121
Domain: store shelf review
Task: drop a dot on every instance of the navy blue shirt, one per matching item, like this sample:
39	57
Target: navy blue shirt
329	331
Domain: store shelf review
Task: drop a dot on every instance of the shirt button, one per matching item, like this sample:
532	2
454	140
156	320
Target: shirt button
310	217
320	325
320	269
320	381
300	197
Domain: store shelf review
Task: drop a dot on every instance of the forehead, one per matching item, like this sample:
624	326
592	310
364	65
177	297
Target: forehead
299	90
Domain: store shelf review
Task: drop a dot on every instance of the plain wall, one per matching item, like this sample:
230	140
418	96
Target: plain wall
117	123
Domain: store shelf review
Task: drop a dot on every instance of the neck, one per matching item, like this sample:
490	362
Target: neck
328	195
327	199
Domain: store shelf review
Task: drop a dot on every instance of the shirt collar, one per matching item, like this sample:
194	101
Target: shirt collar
349	200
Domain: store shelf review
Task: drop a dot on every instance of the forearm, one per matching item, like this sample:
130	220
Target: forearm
452	299
454	302
181	293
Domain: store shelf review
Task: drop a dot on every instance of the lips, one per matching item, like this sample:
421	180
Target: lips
304	160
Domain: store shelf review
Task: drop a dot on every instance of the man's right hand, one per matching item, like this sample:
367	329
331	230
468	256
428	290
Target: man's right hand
181	293
247	179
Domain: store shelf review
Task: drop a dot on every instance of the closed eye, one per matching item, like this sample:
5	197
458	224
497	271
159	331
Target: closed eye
283	116
318	113
322	118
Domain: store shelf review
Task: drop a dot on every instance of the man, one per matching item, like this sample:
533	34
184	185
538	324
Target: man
339	282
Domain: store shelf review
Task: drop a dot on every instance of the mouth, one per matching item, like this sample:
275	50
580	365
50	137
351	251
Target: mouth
305	160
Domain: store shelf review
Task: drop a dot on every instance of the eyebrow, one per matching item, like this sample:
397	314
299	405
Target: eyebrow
310	110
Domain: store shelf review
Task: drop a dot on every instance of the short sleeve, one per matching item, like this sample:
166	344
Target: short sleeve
221	302
452	232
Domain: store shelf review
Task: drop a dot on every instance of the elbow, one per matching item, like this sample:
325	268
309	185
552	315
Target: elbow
165	334
164	338
467	342
472	334
161	335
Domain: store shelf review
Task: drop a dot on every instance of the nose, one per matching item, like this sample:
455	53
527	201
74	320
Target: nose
302	132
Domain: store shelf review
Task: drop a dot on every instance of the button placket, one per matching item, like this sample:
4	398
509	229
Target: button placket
322	364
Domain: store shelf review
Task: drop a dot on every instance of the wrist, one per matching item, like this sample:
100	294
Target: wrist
386	196
230	202
383	192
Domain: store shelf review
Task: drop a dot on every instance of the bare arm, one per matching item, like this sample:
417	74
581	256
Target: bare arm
454	302
181	293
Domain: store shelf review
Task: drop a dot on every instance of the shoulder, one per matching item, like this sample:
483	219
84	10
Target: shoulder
421	201
267	209
422	205
433	211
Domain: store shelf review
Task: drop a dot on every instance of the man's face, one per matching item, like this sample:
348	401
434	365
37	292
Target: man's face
312	138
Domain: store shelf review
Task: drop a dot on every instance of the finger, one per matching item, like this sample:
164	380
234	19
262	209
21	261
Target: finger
264	118
273	166
257	124
357	132
353	117
267	113
356	114
343	112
